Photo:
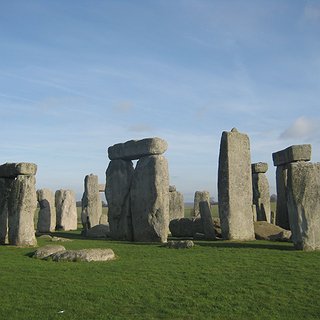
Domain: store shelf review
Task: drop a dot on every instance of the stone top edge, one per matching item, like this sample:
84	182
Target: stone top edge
294	153
259	167
14	169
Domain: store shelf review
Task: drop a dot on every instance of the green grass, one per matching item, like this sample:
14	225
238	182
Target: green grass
214	280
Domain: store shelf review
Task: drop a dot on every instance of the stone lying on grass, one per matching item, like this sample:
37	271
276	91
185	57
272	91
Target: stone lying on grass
53	238
85	255
186	244
267	231
98	231
47	251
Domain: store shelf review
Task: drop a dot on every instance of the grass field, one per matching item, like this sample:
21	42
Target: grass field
213	280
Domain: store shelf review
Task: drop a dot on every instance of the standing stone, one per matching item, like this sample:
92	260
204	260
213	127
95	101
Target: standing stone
5	189
261	194
235	186
150	199
176	204
91	202
119	176
47	212
22	207
66	210
206	218
304	204
198	197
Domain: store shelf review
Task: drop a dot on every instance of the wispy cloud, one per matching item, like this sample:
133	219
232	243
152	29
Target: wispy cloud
124	106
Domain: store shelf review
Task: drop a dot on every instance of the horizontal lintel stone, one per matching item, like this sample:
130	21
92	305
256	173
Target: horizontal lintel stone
11	170
300	152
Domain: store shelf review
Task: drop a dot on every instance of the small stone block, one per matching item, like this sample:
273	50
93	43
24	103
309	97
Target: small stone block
259	167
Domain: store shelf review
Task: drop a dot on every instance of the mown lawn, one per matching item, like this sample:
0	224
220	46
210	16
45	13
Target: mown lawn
213	280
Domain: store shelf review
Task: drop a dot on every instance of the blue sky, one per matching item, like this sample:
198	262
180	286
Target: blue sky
79	76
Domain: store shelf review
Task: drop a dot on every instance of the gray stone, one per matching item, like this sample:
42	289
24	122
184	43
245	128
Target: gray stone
176	205
172	188
136	149
5	189
235	187
259	167
60	239
150	199
98	231
47	212
301	152
22	206
182	244
304	205
46	251
198	197
12	170
207	222
261	196
267	231
104	219
185	227
44	236
85	255
102	187
119	176
91	202
66	210
282	216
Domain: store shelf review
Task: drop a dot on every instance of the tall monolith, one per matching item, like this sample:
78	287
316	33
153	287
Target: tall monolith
47	212
66	210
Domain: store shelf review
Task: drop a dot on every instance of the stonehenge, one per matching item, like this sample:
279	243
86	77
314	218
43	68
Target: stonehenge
138	198
260	190
198	197
66	210
235	186
176	204
18	203
47	213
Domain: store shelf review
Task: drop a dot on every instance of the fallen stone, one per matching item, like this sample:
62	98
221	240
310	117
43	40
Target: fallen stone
199	236
84	255
300	152
136	149
46	251
259	167
44	236
12	170
59	239
98	231
185	227
267	231
183	244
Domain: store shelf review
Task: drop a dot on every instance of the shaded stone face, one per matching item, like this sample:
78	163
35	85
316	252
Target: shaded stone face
207	222
198	197
136	149
235	187
119	176
150	200
22	206
304	204
5	189
91	202
66	210
176	205
47	212
293	153
12	170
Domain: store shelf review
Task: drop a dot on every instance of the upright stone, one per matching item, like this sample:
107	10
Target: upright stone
136	149
198	197
66	210
235	187
22	207
5	189
304	204
91	202
206	218
176	204
119	176
261	194
150	200
47	212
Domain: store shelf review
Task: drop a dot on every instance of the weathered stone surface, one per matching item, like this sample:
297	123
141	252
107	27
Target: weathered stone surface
119	176
98	231
86	255
136	149
235	187
261	196
150	199
66	210
22	206
259	167
207	222
282	216
104	219
267	231
60	239
91	202
102	187
304	204
176	205
172	188
12	170
46	251
300	152
185	227
47	212
198	197
5	189
182	244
